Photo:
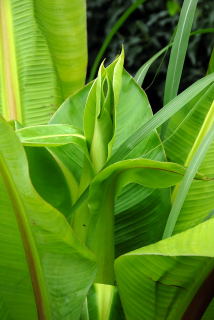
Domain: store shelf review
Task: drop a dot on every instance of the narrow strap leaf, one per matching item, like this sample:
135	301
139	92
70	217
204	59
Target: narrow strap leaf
142	71
179	49
186	183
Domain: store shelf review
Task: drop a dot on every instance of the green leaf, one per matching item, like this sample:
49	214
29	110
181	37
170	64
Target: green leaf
185	133
132	97
142	72
103	190
159	281
160	117
100	111
135	203
202	31
184	187
49	179
134	199
72	109
52	135
4	312
67	146
64	143
103	303
70	157
179	49
34	81
184	127
73	160
44	265
64	26
97	119
128	96
140	217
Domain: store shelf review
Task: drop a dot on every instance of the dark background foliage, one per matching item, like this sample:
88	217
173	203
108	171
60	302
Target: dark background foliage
145	32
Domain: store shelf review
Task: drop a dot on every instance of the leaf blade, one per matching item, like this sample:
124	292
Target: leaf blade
54	242
160	117
179	48
159	281
102	193
50	136
187	181
64	25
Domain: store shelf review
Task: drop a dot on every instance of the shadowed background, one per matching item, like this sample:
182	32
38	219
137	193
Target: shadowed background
147	31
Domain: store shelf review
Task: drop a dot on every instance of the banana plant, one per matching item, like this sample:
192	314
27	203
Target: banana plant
102	217
123	198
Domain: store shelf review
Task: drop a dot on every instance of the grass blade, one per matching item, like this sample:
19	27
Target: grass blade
202	31
142	71
179	49
186	183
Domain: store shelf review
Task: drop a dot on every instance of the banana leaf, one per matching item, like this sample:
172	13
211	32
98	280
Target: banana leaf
44	164
184	133
44	272
160	280
43	57
103	190
103	303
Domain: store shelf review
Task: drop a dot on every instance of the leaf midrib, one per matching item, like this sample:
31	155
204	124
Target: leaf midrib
32	257
26	139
